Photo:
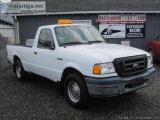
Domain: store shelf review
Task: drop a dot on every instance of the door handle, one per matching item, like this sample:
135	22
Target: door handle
35	53
59	58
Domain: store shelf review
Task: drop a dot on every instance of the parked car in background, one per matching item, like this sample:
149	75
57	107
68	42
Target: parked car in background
154	48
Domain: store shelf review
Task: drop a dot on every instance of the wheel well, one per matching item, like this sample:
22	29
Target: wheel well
15	58
66	72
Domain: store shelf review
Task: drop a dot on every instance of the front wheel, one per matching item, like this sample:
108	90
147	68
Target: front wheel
75	90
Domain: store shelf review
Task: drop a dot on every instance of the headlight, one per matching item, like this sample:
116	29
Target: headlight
106	68
149	62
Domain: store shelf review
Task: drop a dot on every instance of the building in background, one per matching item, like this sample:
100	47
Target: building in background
128	22
7	30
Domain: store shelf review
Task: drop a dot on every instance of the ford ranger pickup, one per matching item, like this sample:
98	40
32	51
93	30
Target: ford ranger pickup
80	59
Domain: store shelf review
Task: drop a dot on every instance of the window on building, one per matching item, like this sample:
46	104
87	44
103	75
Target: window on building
86	22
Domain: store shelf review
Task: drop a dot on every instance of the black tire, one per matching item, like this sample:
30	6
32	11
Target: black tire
21	74
82	102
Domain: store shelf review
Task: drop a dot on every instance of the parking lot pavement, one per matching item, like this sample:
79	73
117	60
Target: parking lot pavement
40	99
3	60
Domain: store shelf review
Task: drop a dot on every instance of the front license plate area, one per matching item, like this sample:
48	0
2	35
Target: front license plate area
136	82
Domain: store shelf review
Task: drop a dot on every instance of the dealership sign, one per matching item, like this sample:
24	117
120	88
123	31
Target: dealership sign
22	7
135	30
122	26
113	30
122	18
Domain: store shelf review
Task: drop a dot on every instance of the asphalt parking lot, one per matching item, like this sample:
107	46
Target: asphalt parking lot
41	99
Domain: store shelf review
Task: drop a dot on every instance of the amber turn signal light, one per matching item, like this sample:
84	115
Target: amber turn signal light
97	69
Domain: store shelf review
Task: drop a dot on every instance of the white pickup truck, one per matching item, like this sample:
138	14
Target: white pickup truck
78	57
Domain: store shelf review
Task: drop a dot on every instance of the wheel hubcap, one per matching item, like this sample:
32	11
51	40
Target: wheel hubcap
18	71
74	91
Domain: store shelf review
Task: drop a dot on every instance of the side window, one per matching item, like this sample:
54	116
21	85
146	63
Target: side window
45	39
158	38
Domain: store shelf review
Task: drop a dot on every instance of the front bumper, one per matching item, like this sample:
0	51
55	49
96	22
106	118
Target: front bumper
113	86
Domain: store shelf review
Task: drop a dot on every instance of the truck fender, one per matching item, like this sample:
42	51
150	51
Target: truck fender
74	66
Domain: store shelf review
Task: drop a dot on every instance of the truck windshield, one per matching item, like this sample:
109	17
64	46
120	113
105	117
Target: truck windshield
75	35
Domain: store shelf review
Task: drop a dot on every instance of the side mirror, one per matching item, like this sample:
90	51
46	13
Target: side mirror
52	46
107	40
49	44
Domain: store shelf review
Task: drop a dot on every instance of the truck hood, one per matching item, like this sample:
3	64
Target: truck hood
104	52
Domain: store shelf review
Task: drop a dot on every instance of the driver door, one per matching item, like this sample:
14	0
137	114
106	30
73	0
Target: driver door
45	57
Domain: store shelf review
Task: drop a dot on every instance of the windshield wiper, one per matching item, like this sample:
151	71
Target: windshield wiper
98	41
72	43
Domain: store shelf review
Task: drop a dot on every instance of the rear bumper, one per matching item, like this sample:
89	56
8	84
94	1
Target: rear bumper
101	87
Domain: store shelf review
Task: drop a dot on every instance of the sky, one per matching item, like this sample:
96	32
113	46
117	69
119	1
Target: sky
5	1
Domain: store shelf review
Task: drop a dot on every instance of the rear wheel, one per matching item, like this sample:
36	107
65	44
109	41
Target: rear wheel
75	90
21	74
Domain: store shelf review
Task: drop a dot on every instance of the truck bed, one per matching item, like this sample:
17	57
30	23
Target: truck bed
21	45
22	51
